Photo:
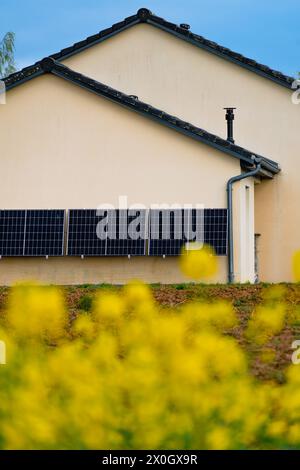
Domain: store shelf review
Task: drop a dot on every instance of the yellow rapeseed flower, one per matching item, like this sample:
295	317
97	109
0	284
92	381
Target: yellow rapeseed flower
219	439
36	311
137	292
133	374
108	306
198	262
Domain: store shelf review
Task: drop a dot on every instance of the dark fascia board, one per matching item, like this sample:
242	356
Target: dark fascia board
145	16
23	76
247	158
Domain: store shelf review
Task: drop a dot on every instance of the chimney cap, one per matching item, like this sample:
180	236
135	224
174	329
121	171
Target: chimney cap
229	116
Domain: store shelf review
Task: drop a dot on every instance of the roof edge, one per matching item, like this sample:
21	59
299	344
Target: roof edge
144	15
221	51
49	65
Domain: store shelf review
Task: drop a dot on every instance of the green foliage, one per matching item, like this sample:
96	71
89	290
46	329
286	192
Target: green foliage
7	61
181	286
85	303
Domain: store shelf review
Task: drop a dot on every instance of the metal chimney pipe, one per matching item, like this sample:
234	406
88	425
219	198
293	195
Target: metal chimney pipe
230	118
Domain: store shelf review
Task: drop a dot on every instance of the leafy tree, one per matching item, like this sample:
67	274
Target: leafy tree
7	48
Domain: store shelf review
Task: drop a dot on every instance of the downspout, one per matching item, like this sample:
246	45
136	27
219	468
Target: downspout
231	181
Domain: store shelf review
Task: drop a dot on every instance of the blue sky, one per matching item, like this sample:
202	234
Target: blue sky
267	31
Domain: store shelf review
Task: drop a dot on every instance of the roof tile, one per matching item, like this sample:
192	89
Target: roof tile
144	15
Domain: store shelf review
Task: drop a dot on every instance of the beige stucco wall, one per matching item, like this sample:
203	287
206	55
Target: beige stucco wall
69	270
195	85
63	147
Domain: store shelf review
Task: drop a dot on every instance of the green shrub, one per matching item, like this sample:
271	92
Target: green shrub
86	303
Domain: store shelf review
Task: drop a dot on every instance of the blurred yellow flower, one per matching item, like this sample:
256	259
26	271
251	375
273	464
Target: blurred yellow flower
133	375
36	311
84	327
218	439
198	262
265	322
137	292
108	306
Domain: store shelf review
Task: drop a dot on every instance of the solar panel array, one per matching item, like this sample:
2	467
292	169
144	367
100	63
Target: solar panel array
32	232
110	232
94	232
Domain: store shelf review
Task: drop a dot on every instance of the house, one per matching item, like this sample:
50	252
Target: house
137	110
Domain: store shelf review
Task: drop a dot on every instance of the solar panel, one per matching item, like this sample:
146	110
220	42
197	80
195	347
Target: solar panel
31	232
12	232
44	233
82	233
171	229
166	234
130	233
215	230
93	232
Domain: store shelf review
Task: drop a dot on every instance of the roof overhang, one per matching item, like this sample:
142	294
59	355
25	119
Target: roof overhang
247	158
